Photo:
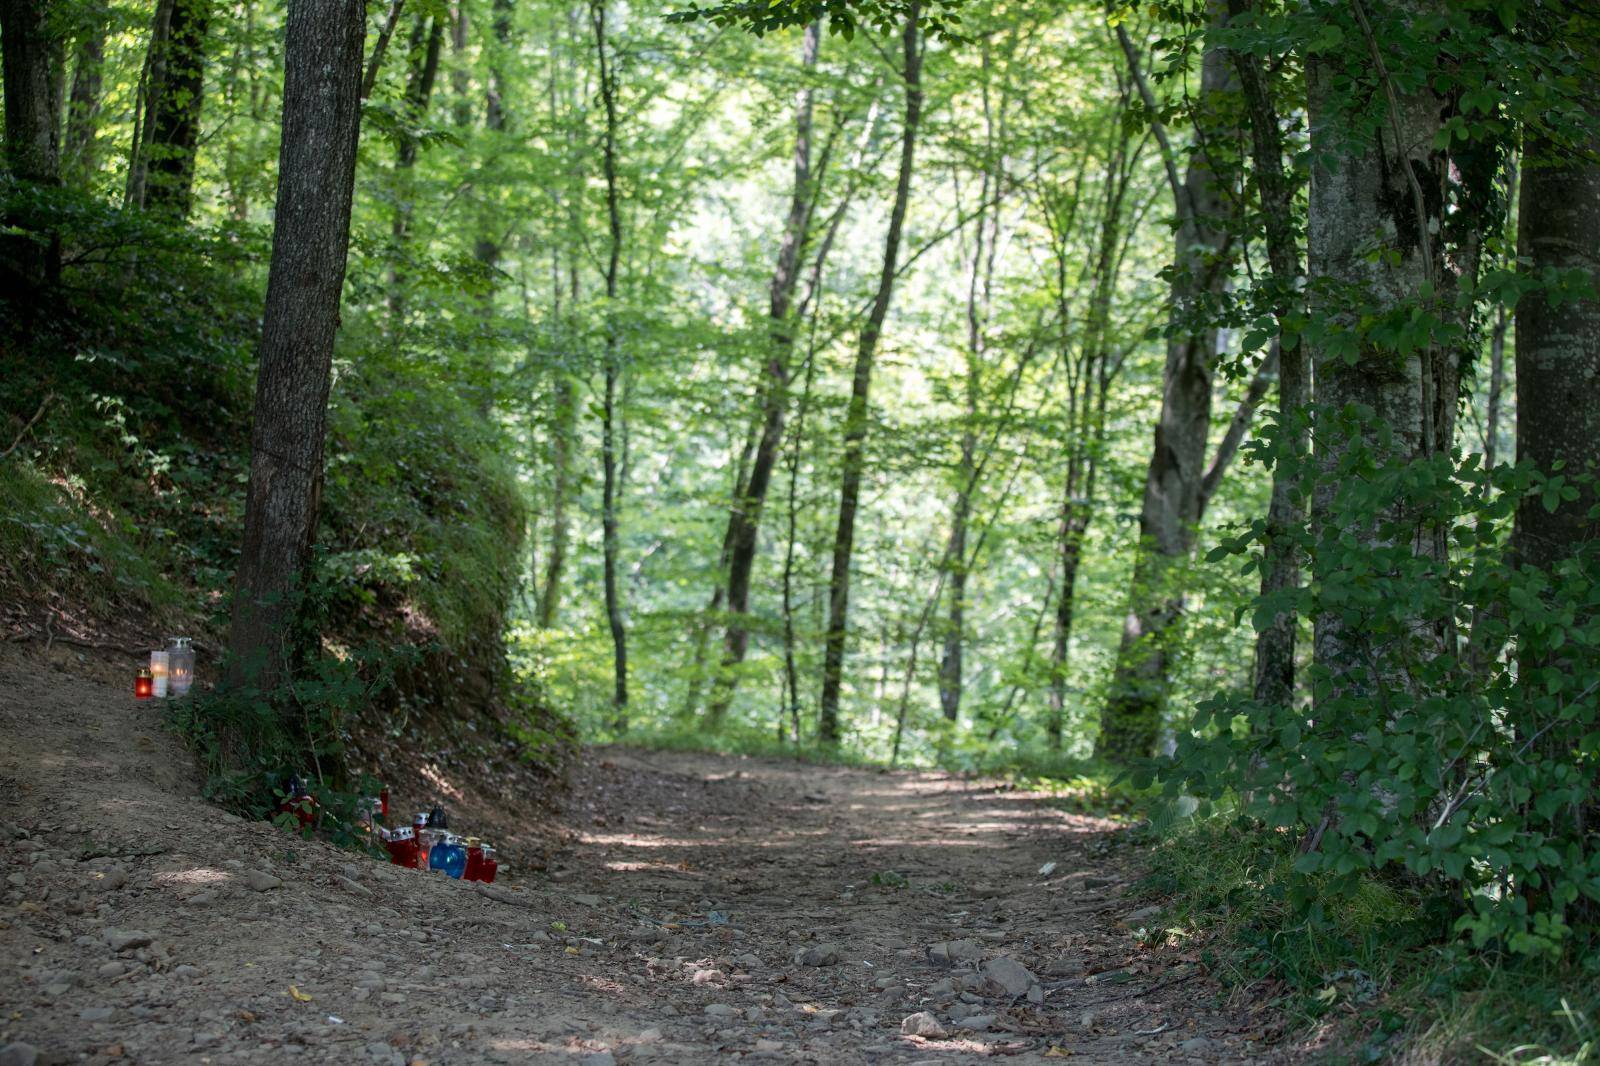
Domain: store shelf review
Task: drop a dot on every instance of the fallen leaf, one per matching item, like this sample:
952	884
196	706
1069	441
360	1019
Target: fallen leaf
298	996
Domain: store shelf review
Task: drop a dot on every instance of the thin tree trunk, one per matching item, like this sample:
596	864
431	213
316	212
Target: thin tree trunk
83	104
744	520
316	177
610	504
1497	355
174	115
380	47
980	287
856	416
565	432
486	249
152	80
30	48
1170	510
1280	571
427	40
567	444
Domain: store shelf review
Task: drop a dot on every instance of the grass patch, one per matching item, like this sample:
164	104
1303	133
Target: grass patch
1378	972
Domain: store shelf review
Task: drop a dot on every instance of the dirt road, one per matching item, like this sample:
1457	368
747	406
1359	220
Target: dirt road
700	908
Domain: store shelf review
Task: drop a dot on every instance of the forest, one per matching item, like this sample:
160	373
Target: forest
1192	407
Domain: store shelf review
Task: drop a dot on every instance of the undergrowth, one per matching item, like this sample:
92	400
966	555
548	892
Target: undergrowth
1372	974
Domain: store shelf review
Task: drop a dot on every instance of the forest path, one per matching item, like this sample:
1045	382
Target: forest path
703	908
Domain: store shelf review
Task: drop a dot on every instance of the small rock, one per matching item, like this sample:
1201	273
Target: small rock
19	1054
114	968
599	1058
1197	1044
187	972
651	1035
978	1021
1143	914
94	1015
586	899
769	1045
922	1023
127	939
706	977
955	952
57	988
1064	967
355	887
1009	976
261	881
721	1010
818	955
200	899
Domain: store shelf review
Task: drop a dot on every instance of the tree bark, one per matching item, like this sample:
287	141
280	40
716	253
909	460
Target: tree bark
610	504
744	520
1171	505
174	114
1558	347
29	50
83	103
316	177
427	40
1275	644
857	414
1377	191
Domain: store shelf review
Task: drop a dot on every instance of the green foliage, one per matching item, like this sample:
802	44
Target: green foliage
1451	736
1367	959
248	745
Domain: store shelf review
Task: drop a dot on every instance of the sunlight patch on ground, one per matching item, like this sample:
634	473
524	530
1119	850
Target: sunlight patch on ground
200	875
440	782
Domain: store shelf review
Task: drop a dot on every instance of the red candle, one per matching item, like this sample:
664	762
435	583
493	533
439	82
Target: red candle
144	686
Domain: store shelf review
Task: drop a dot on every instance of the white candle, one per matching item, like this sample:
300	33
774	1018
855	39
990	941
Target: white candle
158	671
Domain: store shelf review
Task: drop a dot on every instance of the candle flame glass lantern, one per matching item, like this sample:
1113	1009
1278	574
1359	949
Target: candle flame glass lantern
180	666
158	671
144	685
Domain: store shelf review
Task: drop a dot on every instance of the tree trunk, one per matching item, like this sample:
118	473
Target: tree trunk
30	50
83	104
311	234
1172	490
1497	357
1378	188
856	415
174	114
1558	347
427	39
1280	571
565	444
744	520
610	504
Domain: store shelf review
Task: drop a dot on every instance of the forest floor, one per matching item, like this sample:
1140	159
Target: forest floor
697	907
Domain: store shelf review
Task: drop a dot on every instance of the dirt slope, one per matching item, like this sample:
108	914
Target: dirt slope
701	908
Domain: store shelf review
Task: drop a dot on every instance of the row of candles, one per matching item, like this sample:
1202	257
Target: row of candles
170	673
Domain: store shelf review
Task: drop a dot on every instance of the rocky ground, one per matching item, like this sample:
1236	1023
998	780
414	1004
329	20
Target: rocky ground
695	907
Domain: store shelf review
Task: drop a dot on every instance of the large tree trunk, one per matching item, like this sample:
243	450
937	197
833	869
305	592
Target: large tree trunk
1172	500
31	50
856	415
1280	571
83	103
1558	412
1558	347
1386	189
610	502
311	236
174	115
744	520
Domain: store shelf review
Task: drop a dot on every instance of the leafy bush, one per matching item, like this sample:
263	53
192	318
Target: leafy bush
1450	739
